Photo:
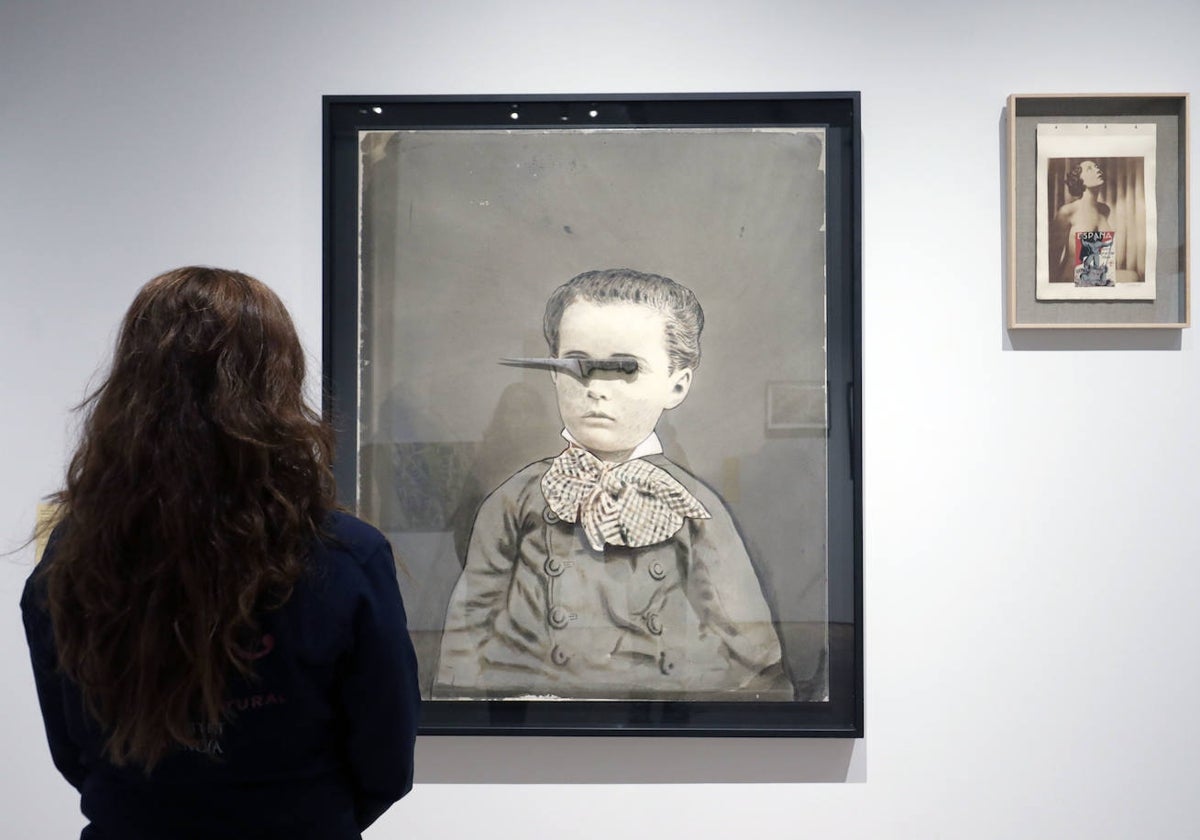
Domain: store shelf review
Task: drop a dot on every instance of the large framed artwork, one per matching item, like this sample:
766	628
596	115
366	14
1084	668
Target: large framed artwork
1098	208
593	363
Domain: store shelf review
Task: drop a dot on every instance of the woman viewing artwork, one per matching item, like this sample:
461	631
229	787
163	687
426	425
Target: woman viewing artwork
218	651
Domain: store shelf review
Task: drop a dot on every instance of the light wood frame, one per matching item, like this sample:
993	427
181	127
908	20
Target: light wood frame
1172	308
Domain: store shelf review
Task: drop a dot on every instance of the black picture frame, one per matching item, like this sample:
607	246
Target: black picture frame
354	214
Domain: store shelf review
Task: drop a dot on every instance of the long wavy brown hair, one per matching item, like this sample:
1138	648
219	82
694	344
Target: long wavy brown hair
200	481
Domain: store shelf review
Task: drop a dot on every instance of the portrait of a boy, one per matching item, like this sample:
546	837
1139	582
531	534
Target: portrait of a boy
607	570
475	360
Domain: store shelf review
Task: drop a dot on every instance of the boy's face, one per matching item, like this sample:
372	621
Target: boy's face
611	412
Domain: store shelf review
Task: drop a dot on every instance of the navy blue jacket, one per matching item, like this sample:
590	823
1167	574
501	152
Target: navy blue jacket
318	746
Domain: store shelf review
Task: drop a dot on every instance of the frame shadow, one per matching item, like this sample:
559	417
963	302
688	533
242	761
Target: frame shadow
602	760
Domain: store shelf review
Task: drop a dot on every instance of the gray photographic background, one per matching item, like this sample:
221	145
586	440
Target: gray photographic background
464	236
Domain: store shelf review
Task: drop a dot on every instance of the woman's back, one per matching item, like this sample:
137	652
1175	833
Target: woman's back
217	653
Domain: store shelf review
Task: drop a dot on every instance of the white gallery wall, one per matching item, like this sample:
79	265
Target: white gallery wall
1032	551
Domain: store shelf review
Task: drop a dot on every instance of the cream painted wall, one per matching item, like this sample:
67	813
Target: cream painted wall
1031	540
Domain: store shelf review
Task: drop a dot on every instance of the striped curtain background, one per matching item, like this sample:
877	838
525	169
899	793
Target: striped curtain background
1125	194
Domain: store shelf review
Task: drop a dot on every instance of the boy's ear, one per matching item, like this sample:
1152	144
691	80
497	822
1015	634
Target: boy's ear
681	383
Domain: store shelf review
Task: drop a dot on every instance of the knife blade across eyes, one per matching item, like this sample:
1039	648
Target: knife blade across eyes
581	368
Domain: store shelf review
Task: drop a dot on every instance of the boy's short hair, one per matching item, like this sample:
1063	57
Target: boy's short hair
677	303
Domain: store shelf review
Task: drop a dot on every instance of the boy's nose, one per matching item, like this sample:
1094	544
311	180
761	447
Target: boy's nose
597	388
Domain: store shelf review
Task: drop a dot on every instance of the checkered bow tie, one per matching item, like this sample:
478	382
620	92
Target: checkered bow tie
633	504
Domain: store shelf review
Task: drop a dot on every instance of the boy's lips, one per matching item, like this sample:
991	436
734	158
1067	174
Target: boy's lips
597	415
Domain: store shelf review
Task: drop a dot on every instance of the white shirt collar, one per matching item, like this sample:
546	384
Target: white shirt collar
650	446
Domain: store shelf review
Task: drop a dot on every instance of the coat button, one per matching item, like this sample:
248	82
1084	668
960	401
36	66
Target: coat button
666	664
657	570
559	656
553	566
549	515
654	624
558	617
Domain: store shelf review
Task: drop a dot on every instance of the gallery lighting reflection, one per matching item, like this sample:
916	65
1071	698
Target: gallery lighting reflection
377	110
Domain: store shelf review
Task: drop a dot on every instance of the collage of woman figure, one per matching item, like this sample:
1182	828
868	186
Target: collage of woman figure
1096	212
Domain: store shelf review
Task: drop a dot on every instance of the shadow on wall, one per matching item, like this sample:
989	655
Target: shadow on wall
565	760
